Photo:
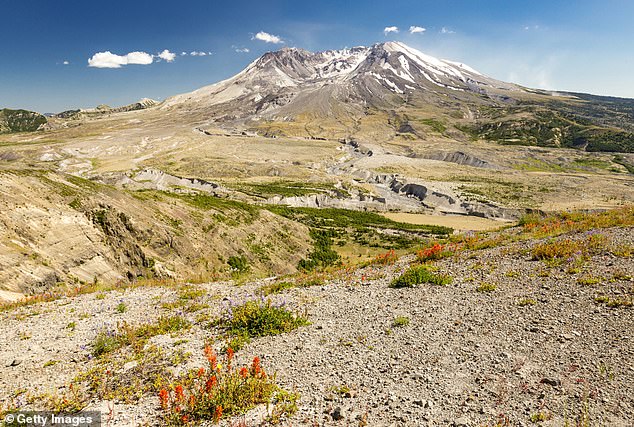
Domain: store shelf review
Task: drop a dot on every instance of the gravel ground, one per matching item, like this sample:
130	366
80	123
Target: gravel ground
466	358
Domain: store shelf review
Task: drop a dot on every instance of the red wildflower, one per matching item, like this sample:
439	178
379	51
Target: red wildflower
185	419
218	413
244	372
164	398
211	357
201	372
255	367
230	354
433	252
211	383
179	393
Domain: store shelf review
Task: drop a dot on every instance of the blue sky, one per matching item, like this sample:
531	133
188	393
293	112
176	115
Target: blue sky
579	45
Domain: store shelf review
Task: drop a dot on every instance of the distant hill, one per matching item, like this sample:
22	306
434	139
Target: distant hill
103	109
20	121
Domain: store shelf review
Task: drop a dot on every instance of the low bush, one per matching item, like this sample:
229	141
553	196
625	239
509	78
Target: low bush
486	287
238	263
569	249
400	321
257	318
418	275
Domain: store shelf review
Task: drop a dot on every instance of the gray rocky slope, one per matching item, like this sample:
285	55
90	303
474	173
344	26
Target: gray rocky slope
466	358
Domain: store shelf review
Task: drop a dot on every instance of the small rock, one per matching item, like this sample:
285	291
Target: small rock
130	365
337	414
554	382
14	362
461	422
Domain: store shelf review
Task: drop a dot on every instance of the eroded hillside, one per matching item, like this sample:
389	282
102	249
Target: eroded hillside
58	229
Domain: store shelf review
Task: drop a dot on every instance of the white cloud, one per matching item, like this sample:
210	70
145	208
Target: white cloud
108	59
65	62
243	50
140	58
445	30
416	29
197	53
388	30
183	53
268	38
167	55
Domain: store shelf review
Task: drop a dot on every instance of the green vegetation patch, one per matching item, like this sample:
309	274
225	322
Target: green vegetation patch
257	318
239	264
400	321
339	226
279	287
245	212
623	162
284	189
322	254
419	275
343	218
538	126
20	121
109	340
434	124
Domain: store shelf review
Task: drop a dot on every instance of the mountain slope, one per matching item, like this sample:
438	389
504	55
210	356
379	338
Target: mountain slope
370	75
332	93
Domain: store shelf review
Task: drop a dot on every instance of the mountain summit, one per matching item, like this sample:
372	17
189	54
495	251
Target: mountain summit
385	73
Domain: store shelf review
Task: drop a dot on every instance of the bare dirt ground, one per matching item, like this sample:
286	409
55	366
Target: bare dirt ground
461	223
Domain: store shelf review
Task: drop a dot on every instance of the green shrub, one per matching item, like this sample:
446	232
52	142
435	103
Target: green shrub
239	263
257	318
418	275
486	287
105	342
401	321
322	255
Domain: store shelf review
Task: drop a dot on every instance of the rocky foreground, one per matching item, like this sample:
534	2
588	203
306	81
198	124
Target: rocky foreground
513	340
